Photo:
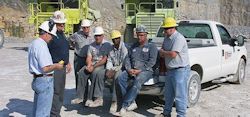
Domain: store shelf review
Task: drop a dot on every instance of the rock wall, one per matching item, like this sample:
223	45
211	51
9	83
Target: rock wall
228	12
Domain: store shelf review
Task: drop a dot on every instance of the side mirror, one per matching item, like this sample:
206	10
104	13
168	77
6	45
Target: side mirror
241	40
238	40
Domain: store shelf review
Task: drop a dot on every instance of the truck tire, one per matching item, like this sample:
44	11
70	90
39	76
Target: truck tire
239	77
1	38
194	88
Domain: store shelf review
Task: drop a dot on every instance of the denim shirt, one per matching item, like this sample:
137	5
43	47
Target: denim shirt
142	58
81	43
116	57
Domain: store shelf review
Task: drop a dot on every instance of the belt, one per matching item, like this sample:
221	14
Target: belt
41	75
176	68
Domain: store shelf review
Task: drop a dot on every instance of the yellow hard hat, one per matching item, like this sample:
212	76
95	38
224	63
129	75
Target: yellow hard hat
169	22
115	34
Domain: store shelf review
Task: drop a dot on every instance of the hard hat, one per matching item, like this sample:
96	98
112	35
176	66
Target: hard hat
141	28
59	17
98	30
115	34
85	23
169	22
49	27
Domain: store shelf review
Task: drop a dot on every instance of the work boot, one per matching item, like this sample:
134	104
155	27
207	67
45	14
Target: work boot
76	101
113	107
88	102
98	102
132	106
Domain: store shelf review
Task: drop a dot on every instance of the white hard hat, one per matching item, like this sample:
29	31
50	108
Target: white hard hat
59	17
98	30
49	27
141	28
85	23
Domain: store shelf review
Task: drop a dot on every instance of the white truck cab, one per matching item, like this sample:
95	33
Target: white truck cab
214	56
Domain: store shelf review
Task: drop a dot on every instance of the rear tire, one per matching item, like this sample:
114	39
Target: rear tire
194	88
1	38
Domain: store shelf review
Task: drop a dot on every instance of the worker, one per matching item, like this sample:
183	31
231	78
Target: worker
139	64
80	41
42	67
175	52
114	64
59	50
94	69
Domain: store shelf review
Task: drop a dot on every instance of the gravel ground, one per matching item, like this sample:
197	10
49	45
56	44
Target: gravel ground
16	95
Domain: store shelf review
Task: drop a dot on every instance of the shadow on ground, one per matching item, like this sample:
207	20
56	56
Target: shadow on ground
20	106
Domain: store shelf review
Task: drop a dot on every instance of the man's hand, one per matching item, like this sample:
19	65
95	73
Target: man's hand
68	68
58	66
136	72
110	74
162	53
90	68
131	72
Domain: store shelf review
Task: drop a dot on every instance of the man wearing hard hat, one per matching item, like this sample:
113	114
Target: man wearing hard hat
80	41
141	58
94	70
175	52
115	63
59	50
42	67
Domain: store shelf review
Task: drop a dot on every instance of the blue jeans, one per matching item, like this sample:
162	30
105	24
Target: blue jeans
176	89
43	88
129	93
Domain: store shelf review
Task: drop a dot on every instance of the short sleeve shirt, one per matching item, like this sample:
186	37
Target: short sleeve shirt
38	56
176	42
81	43
99	51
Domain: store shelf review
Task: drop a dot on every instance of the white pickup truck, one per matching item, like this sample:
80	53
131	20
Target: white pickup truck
214	56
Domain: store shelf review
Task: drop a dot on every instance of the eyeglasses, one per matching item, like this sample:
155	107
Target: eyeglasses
51	25
85	27
60	24
98	35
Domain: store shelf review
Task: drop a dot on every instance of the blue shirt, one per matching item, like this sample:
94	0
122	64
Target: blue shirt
176	42
142	58
38	56
59	48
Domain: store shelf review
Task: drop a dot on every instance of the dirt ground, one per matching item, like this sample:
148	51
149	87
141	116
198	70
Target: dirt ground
16	95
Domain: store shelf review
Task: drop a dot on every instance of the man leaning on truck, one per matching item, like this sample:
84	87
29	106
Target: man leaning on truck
175	52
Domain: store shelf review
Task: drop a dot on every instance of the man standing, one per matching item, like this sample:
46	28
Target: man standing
41	66
175	52
59	50
114	64
80	41
138	64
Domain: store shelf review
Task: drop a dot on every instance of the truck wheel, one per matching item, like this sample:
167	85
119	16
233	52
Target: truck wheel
194	88
241	71
1	38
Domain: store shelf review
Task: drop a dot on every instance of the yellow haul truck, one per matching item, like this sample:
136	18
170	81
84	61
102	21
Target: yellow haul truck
74	10
147	12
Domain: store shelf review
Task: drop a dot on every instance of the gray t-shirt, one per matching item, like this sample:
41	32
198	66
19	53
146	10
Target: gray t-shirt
81	43
99	51
176	42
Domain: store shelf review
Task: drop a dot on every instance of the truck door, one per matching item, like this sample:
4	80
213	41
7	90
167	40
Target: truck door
228	52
